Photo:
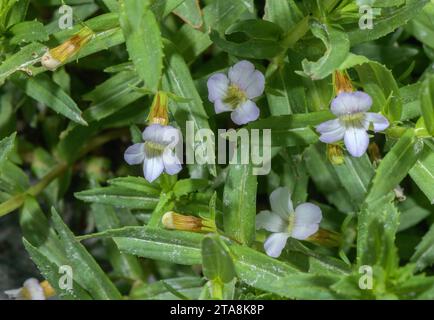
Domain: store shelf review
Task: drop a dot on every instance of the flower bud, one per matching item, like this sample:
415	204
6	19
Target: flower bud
175	221
32	290
342	83
326	238
374	154
335	154
55	57
159	113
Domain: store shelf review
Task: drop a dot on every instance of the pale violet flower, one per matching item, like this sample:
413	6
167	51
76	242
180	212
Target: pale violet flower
284	222
31	290
352	123
156	152
234	93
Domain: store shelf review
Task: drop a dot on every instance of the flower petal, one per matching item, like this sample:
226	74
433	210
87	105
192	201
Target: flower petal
34	288
135	154
378	121
270	221
164	135
275	243
152	167
280	202
172	165
217	87
356	140
351	102
245	113
331	131
220	106
307	213
302	232
241	72
254	86
14	294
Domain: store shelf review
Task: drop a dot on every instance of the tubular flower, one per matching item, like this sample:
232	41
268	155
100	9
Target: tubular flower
234	93
156	152
55	57
32	290
175	221
284	222
352	123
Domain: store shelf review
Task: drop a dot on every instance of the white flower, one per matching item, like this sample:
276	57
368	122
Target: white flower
286	222
234	93
156	153
352	123
31	290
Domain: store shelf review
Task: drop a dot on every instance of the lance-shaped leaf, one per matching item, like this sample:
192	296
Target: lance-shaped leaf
427	103
423	173
424	254
44	90
395	166
143	39
216	261
6	146
239	201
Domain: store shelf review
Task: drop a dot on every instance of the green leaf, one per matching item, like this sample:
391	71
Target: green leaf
424	254
143	39
220	14
28	31
135	183
189	287
293	130
119	197
388	22
190	12
171	246
24	58
239	201
423	173
44	90
395	166
90	274
337	49
186	186
217	263
427	103
112	95
177	80
6	146
380	84
284	13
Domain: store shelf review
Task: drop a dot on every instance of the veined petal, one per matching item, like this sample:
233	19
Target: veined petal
275	243
378	121
152	167
351	102
331	131
220	106
217	87
241	72
135	154
245	113
280	202
356	140
253	86
172	165
271	221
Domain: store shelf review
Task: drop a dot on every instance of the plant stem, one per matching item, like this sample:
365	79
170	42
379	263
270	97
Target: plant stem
18	200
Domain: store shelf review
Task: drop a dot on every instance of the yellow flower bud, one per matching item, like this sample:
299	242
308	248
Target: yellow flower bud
335	154
342	83
326	238
175	221
159	113
55	57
